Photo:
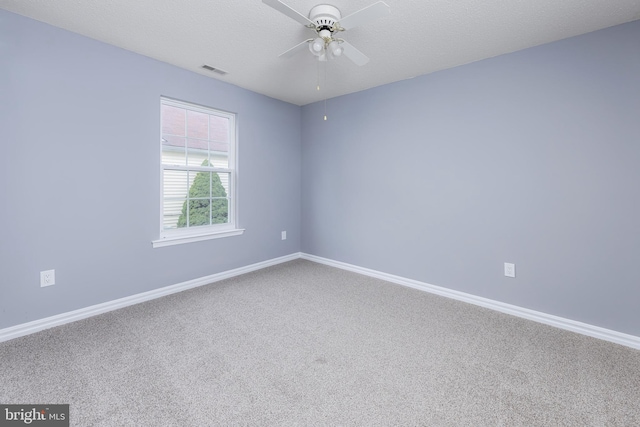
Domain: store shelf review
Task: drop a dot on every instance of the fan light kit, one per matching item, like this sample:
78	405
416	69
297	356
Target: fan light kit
326	21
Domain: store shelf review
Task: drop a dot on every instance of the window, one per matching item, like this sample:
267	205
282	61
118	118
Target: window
198	146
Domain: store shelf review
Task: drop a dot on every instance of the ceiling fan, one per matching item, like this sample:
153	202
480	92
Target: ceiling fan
327	21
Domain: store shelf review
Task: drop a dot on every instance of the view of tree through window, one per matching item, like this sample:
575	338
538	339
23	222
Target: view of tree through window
207	198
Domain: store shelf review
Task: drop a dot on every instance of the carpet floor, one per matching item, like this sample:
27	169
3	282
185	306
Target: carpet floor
304	344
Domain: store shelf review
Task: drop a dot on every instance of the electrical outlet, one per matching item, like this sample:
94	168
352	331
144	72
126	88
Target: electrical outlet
47	278
509	269
284	235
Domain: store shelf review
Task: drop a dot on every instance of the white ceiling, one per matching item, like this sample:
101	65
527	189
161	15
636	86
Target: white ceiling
245	38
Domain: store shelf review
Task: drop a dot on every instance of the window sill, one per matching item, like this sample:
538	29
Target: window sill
179	240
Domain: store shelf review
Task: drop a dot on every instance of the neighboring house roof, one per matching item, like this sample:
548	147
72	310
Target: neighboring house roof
196	130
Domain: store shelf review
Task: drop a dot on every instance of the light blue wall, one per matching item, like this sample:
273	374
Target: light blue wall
79	170
531	158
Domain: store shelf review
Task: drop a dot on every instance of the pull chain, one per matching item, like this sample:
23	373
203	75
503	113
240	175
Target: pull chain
325	92
324	84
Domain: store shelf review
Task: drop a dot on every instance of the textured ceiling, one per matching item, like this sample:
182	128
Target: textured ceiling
245	38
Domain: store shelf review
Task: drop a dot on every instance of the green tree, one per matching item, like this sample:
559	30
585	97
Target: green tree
199	209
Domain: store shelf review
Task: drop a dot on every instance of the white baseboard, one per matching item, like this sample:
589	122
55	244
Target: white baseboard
548	319
61	319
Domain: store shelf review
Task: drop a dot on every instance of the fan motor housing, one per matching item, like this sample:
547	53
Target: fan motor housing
324	16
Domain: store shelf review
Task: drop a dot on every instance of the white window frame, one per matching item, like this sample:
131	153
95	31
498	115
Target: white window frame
214	231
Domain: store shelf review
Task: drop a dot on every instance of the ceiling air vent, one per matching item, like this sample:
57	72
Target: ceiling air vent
215	70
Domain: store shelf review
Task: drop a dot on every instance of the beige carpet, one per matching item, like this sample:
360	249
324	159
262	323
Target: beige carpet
306	344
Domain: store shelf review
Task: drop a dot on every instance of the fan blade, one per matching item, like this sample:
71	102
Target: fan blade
353	54
297	48
291	13
369	13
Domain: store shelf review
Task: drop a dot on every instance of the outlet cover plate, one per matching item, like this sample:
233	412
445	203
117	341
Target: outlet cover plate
509	269
284	235
47	278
